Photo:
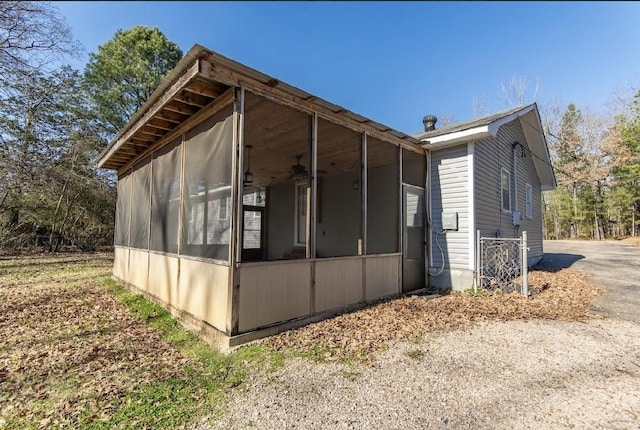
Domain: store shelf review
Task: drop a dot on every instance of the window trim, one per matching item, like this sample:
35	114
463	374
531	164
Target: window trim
296	214
528	201
224	199
504	171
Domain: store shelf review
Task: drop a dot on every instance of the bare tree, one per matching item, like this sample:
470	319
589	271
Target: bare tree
515	91
33	35
480	106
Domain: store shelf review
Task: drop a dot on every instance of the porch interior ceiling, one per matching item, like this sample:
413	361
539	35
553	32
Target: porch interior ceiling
278	134
199	80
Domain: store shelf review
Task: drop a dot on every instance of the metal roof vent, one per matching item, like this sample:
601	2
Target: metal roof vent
429	122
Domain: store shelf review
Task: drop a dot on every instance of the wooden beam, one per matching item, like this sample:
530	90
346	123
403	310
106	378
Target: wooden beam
151	131
182	81
277	95
172	117
206	112
207	89
161	124
137	141
192	99
179	107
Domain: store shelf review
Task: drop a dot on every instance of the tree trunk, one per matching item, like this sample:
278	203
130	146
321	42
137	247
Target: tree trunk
574	221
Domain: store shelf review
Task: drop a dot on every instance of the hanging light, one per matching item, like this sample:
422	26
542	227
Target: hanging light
248	176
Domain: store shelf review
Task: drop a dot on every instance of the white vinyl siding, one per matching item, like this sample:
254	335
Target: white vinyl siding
450	193
491	155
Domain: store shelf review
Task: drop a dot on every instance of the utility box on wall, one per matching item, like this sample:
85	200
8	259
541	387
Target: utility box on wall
450	221
517	216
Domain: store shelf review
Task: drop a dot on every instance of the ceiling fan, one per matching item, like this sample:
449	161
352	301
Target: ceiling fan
299	171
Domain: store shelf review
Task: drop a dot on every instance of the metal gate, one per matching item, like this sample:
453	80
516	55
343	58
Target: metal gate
502	264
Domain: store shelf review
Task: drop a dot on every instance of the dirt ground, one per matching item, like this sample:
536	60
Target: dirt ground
70	350
489	362
540	374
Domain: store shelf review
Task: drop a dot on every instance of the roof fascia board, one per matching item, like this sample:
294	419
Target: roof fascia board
450	139
186	71
215	106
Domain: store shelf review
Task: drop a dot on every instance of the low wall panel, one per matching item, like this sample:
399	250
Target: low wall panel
382	276
273	292
163	278
121	263
138	269
338	283
203	291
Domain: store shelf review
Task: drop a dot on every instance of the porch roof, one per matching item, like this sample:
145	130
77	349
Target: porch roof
202	81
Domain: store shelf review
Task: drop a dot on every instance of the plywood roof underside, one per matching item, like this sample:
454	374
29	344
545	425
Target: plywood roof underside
204	81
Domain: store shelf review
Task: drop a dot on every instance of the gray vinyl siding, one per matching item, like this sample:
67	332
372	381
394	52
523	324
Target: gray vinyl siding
450	193
490	155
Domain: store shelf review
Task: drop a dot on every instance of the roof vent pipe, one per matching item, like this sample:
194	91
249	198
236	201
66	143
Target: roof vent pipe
429	122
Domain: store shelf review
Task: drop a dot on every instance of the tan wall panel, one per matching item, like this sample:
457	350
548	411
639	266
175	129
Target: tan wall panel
138	268
338	283
203	291
121	263
274	292
163	278
382	276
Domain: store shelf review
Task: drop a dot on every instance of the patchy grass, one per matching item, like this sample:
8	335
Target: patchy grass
416	354
557	294
79	350
632	240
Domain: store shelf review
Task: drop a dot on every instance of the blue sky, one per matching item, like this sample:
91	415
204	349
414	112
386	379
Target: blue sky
395	62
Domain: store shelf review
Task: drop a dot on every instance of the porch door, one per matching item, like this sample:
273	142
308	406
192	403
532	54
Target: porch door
413	252
253	233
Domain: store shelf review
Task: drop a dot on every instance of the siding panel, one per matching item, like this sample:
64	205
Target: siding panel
449	193
491	155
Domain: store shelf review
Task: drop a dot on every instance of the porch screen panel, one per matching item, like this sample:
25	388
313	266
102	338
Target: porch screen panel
338	219
383	197
413	168
123	214
165	199
140	205
207	188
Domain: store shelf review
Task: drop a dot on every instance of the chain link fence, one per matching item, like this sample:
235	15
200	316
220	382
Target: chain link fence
502	264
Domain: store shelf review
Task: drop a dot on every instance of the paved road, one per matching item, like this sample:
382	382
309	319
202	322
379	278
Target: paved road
613	266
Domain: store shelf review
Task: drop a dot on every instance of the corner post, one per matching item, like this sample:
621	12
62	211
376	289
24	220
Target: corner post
525	265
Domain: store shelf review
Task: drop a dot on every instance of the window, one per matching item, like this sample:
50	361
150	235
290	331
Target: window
301	214
505	190
223	210
528	201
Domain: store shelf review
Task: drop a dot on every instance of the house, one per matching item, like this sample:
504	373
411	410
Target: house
247	206
486	174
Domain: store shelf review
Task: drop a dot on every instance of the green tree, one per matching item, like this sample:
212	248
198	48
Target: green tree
622	146
124	72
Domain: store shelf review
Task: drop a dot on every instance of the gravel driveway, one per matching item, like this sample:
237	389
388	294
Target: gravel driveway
505	375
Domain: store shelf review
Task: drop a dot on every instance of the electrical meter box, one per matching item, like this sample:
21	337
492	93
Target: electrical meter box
517	216
450	221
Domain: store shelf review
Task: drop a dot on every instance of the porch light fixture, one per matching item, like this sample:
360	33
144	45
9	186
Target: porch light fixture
248	176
